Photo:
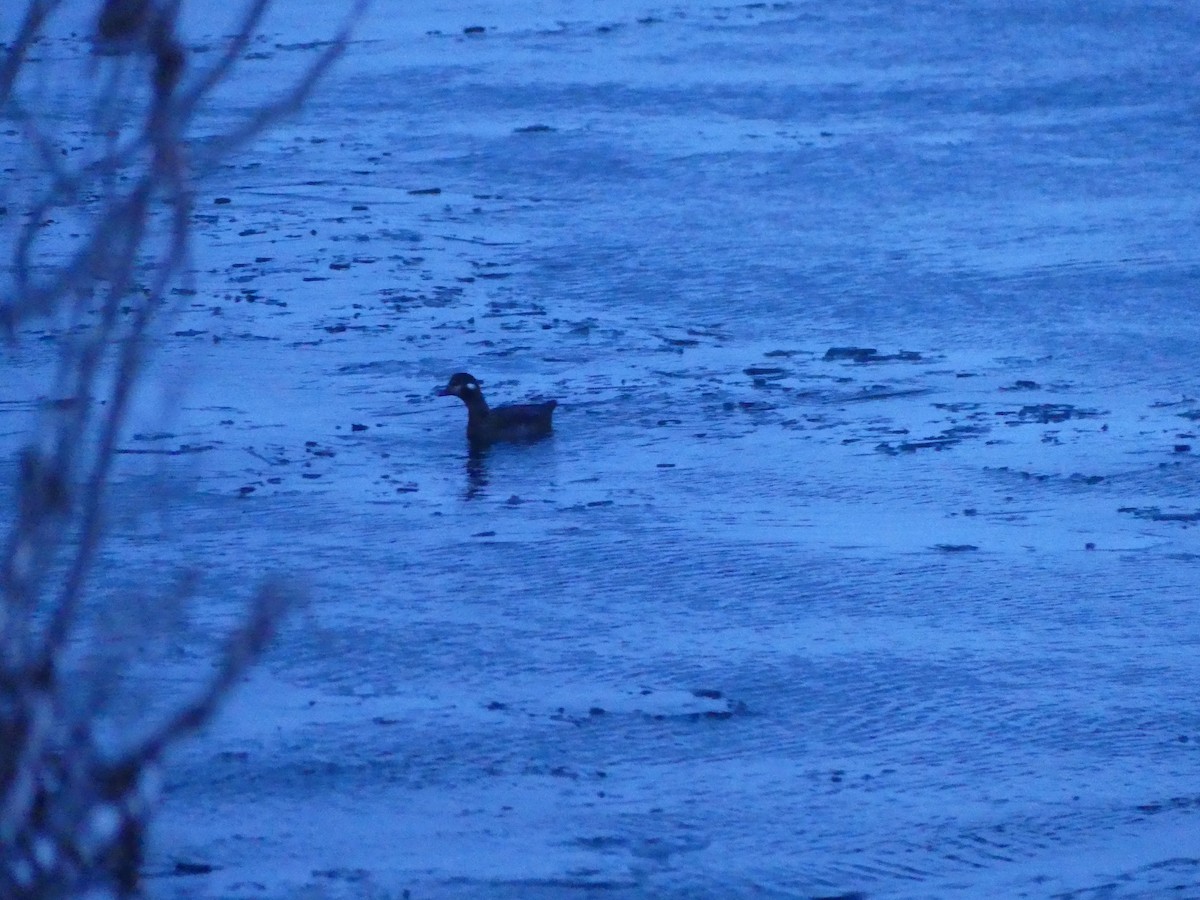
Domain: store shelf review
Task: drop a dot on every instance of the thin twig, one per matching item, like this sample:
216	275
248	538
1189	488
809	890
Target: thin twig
35	16
241	649
294	98
54	773
203	86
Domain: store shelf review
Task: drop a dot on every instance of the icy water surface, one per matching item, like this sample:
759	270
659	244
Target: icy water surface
863	560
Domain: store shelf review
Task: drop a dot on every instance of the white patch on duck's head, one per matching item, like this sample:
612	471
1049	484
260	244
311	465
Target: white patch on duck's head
461	383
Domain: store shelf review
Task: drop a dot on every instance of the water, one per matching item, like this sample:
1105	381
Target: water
755	621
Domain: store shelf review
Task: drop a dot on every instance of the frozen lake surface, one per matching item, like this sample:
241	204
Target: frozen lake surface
761	619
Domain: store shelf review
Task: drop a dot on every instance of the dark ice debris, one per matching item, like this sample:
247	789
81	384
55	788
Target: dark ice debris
507	351
497	308
858	354
425	192
183	867
303	45
1154	514
1022	384
474	29
948	438
766	372
955	548
1047	413
355	426
707	693
883	392
869	355
964	406
538	128
748	406
939	443
181	450
351	875
719	715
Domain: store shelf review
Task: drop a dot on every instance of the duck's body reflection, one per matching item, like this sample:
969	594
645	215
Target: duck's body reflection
477	473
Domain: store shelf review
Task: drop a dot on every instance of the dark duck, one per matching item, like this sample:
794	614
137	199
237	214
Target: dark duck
487	425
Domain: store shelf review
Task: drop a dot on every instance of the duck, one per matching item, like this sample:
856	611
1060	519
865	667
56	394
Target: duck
511	422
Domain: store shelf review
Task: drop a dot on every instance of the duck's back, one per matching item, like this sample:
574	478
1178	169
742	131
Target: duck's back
512	422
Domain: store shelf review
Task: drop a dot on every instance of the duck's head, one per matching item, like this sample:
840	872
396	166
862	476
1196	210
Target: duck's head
463	386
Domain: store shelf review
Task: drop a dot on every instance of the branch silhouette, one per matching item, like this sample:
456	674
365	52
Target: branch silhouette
73	808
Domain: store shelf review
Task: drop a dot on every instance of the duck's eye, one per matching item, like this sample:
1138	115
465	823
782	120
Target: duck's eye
471	386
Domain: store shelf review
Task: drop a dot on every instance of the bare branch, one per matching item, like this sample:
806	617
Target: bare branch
135	198
220	70
242	649
294	99
35	15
